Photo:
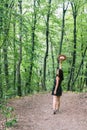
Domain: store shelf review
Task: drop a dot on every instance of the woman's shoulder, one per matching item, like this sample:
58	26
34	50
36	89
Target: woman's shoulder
57	76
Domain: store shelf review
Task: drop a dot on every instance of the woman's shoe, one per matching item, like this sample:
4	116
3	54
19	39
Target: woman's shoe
54	112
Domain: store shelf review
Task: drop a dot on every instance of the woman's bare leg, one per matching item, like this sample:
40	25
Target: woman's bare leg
58	103
55	104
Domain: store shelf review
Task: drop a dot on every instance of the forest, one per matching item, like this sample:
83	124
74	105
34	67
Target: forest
32	35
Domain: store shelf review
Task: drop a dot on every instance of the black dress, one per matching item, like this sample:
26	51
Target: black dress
59	88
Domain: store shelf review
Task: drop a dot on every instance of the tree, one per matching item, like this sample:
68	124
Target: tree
1	30
52	55
63	25
75	12
47	44
20	51
86	75
14	44
34	20
84	54
6	26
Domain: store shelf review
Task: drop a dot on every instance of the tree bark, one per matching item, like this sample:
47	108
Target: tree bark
80	66
47	42
52	55
20	51
33	45
86	75
1	30
14	32
5	44
63	26
70	87
81	79
1	90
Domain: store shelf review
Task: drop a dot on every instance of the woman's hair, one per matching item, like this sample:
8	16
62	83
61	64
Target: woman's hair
60	73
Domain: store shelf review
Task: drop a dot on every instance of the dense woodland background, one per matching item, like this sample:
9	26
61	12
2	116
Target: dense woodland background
32	35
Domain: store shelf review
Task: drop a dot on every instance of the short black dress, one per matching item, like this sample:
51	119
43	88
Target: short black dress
59	88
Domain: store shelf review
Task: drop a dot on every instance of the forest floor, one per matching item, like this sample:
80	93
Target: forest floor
35	112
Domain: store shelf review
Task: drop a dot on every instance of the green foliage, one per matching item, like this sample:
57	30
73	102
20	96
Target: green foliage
11	123
9	36
8	112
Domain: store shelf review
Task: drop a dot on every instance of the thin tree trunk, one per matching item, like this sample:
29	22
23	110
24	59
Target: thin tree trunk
1	90
80	66
81	80
6	27
5	45
1	29
52	60
20	52
70	86
86	75
63	26
14	80
74	52
47	42
33	45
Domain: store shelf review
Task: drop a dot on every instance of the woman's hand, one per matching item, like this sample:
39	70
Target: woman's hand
54	91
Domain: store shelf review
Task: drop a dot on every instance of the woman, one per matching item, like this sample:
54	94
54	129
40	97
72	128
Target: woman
57	89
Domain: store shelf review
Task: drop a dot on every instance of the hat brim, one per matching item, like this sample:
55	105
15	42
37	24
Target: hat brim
62	57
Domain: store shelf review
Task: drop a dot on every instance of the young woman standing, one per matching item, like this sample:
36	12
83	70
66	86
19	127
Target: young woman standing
57	89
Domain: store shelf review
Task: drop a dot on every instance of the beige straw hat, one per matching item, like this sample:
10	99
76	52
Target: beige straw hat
62	57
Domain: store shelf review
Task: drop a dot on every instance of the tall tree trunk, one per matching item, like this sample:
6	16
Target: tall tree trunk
1	29
33	45
47	42
63	25
86	75
80	66
1	90
5	44
52	55
81	80
70	87
14	32
20	51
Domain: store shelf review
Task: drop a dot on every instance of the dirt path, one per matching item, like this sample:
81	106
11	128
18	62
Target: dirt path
35	112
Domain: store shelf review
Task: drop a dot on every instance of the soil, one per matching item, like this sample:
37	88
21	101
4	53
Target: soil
35	112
